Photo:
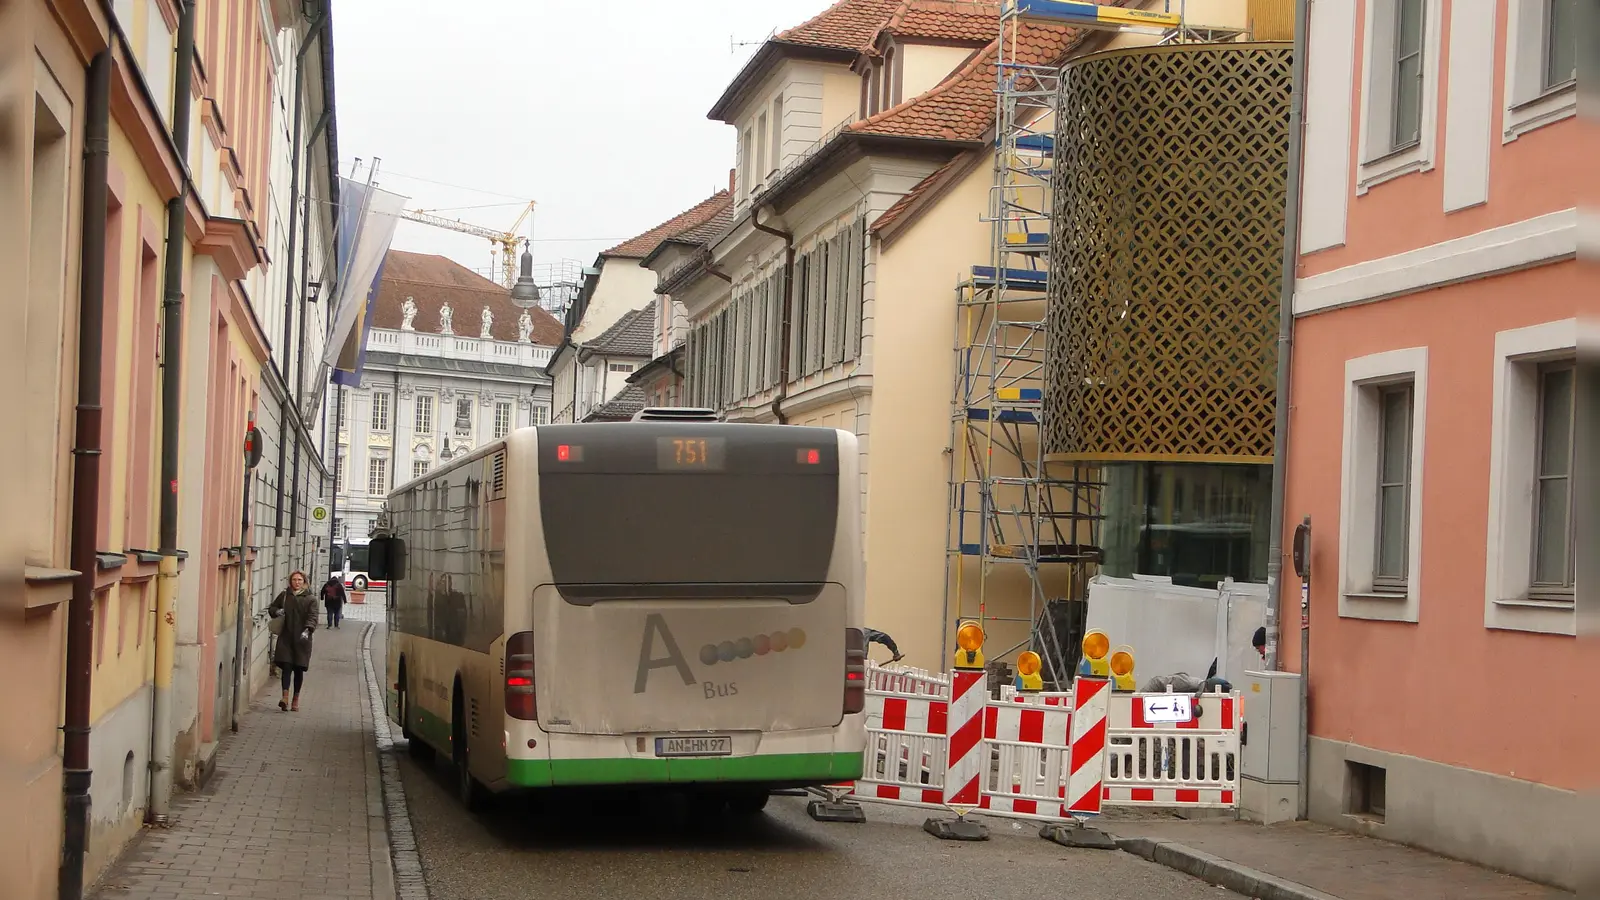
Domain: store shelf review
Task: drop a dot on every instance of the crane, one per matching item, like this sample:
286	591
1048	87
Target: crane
506	240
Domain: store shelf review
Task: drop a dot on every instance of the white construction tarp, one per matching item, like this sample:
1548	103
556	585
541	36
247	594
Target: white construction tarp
1180	629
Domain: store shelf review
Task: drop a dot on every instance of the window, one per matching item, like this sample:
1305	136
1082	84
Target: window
1394	486
624	368
762	134
1560	35
541	415
380	411
1381	470
1554	562
502	418
424	414
777	134
1399	107
464	414
419	468
344	408
1541	85
1407	104
1531	573
747	165
378	476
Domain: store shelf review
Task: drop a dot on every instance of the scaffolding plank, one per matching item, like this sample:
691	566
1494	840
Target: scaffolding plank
1019	416
1093	15
1016	279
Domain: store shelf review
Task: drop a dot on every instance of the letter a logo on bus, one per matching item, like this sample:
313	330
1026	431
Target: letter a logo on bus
653	624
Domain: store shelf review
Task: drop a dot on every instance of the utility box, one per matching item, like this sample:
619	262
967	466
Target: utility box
1269	765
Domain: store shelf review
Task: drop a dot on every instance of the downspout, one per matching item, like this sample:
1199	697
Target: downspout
333	504
1291	254
788	315
288	287
171	409
86	477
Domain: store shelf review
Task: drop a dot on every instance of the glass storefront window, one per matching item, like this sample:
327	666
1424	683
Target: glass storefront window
1196	523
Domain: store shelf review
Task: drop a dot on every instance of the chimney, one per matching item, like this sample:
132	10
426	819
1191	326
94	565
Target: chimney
732	174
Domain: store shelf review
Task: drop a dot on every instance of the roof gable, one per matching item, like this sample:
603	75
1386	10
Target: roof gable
430	281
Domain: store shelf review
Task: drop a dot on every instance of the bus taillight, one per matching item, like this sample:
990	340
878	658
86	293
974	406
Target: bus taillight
520	700
855	670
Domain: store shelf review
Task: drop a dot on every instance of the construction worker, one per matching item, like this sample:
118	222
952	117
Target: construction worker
875	636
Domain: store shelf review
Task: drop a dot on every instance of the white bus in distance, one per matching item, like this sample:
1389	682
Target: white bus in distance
672	603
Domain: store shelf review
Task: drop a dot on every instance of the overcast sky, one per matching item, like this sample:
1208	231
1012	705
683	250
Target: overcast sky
597	111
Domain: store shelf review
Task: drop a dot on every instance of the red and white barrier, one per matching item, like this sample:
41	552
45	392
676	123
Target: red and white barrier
1042	756
963	782
1171	750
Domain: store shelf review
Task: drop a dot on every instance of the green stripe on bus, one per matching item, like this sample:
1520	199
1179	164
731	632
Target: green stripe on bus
779	767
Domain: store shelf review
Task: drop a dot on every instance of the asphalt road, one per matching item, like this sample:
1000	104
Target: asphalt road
594	846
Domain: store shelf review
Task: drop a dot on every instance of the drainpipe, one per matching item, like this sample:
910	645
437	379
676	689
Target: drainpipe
171	394
788	315
333	504
86	478
288	288
1291	253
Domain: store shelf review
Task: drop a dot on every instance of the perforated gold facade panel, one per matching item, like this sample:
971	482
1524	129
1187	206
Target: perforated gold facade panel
1166	255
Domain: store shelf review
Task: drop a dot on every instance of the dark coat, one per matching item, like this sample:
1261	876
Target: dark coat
300	620
333	594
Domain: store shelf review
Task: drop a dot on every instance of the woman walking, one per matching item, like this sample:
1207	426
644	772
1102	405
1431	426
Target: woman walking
298	608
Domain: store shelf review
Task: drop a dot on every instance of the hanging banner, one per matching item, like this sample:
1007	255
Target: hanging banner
367	219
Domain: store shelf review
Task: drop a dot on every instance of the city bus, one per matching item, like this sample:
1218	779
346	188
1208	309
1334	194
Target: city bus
671	602
349	564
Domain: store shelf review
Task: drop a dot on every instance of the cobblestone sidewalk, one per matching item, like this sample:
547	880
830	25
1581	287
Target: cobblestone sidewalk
294	809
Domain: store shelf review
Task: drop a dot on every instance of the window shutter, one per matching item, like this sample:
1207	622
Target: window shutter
816	309
855	290
797	316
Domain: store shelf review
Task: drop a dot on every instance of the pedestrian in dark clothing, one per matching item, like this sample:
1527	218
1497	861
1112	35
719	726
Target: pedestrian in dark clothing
875	636
333	601
297	606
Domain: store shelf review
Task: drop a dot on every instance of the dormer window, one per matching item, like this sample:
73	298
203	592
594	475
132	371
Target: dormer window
891	87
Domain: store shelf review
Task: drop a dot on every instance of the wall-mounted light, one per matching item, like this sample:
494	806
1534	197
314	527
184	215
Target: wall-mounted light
313	291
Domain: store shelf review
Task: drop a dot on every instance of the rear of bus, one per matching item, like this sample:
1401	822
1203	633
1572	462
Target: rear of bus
694	613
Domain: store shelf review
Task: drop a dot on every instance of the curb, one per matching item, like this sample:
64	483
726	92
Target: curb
1218	871
406	863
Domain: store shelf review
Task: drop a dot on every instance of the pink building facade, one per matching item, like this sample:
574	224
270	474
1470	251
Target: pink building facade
1432	425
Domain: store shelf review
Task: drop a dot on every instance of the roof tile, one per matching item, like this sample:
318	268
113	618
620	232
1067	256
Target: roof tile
695	218
846	25
973	21
620	408
961	108
631	335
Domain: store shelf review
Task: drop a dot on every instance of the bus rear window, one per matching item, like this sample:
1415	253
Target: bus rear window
694	529
638	510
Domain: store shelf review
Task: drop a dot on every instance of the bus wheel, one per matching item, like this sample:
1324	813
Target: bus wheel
748	802
360	583
415	745
467	787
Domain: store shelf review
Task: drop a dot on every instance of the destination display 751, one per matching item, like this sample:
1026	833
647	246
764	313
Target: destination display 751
700	453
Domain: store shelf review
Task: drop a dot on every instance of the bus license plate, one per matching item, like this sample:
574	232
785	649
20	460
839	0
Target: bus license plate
694	746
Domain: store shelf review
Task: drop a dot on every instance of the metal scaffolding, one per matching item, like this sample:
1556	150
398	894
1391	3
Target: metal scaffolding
1010	504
